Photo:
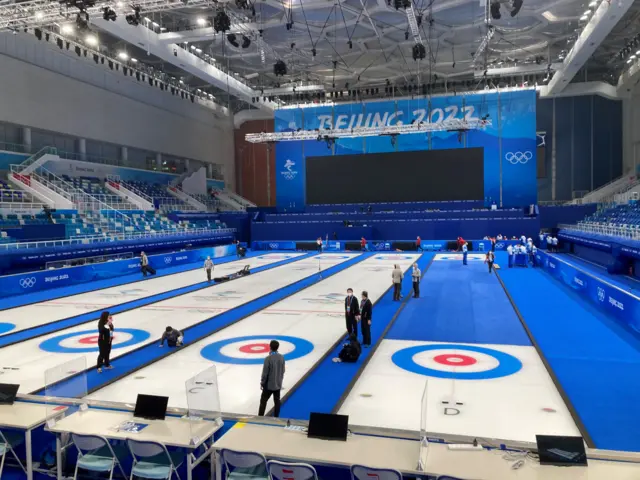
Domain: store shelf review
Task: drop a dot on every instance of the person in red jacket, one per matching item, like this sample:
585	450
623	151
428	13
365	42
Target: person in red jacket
461	242
363	244
418	243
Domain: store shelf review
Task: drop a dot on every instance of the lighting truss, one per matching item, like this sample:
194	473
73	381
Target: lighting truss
413	24
40	13
483	45
422	127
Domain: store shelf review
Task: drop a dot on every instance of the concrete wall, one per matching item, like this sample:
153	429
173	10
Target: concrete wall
48	88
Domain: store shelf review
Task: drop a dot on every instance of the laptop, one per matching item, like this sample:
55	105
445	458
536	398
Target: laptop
561	451
327	426
8	392
151	407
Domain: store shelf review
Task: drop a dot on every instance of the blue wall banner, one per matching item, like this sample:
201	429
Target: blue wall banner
44	280
612	300
509	143
382	246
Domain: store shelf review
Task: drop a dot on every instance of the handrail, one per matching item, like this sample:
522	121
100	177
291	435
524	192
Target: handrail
141	194
119	237
36	156
601	187
603	229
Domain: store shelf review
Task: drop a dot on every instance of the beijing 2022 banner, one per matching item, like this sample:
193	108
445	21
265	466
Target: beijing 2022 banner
509	142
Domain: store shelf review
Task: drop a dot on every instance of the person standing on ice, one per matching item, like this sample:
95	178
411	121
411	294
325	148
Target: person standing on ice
271	380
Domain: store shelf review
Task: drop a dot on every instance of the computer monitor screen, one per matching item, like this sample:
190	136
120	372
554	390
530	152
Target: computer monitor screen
327	426
151	407
561	451
8	392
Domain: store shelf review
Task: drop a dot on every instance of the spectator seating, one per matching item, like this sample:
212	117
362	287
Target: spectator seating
161	198
618	220
90	185
211	202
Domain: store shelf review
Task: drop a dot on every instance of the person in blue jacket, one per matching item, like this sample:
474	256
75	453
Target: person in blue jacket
465	250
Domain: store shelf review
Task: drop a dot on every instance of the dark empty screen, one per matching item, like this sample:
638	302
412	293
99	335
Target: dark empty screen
424	175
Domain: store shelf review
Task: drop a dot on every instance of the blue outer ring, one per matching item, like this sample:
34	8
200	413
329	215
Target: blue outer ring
6	327
53	344
213	351
507	364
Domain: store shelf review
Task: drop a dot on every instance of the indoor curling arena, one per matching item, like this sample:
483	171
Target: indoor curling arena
320	241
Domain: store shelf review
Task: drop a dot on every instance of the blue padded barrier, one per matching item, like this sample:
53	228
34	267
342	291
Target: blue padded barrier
43	280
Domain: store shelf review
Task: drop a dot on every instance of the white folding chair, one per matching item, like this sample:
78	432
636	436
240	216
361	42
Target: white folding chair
152	460
9	440
291	471
361	472
245	465
95	454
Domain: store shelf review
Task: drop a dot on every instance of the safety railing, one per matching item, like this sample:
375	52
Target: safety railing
171	204
116	237
140	193
36	156
611	230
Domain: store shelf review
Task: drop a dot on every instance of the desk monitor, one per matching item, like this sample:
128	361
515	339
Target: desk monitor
151	407
8	392
561	451
328	426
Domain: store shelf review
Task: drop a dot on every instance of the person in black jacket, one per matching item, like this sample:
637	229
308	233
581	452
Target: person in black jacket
105	337
351	312
365	319
350	351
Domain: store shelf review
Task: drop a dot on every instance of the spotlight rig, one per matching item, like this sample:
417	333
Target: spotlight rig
109	14
418	51
134	18
221	22
280	68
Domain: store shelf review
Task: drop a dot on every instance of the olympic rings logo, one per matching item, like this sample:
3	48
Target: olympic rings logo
168	260
273	246
499	245
518	157
27	282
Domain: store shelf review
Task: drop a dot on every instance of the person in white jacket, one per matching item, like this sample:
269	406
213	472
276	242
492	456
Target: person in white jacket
208	267
396	277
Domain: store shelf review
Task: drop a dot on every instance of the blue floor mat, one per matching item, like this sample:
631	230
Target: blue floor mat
595	359
460	304
623	282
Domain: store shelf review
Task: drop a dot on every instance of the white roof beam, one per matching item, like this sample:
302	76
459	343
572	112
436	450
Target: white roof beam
147	40
600	25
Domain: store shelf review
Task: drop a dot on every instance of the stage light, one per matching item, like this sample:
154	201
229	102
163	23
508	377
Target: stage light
584	18
39	15
406	35
66	29
123	56
198	50
246	41
588	12
231	38
134	60
221	22
201	21
495	10
313	52
593	4
82	21
517	5
418	51
91	40
350	43
280	68
119	4
109	14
